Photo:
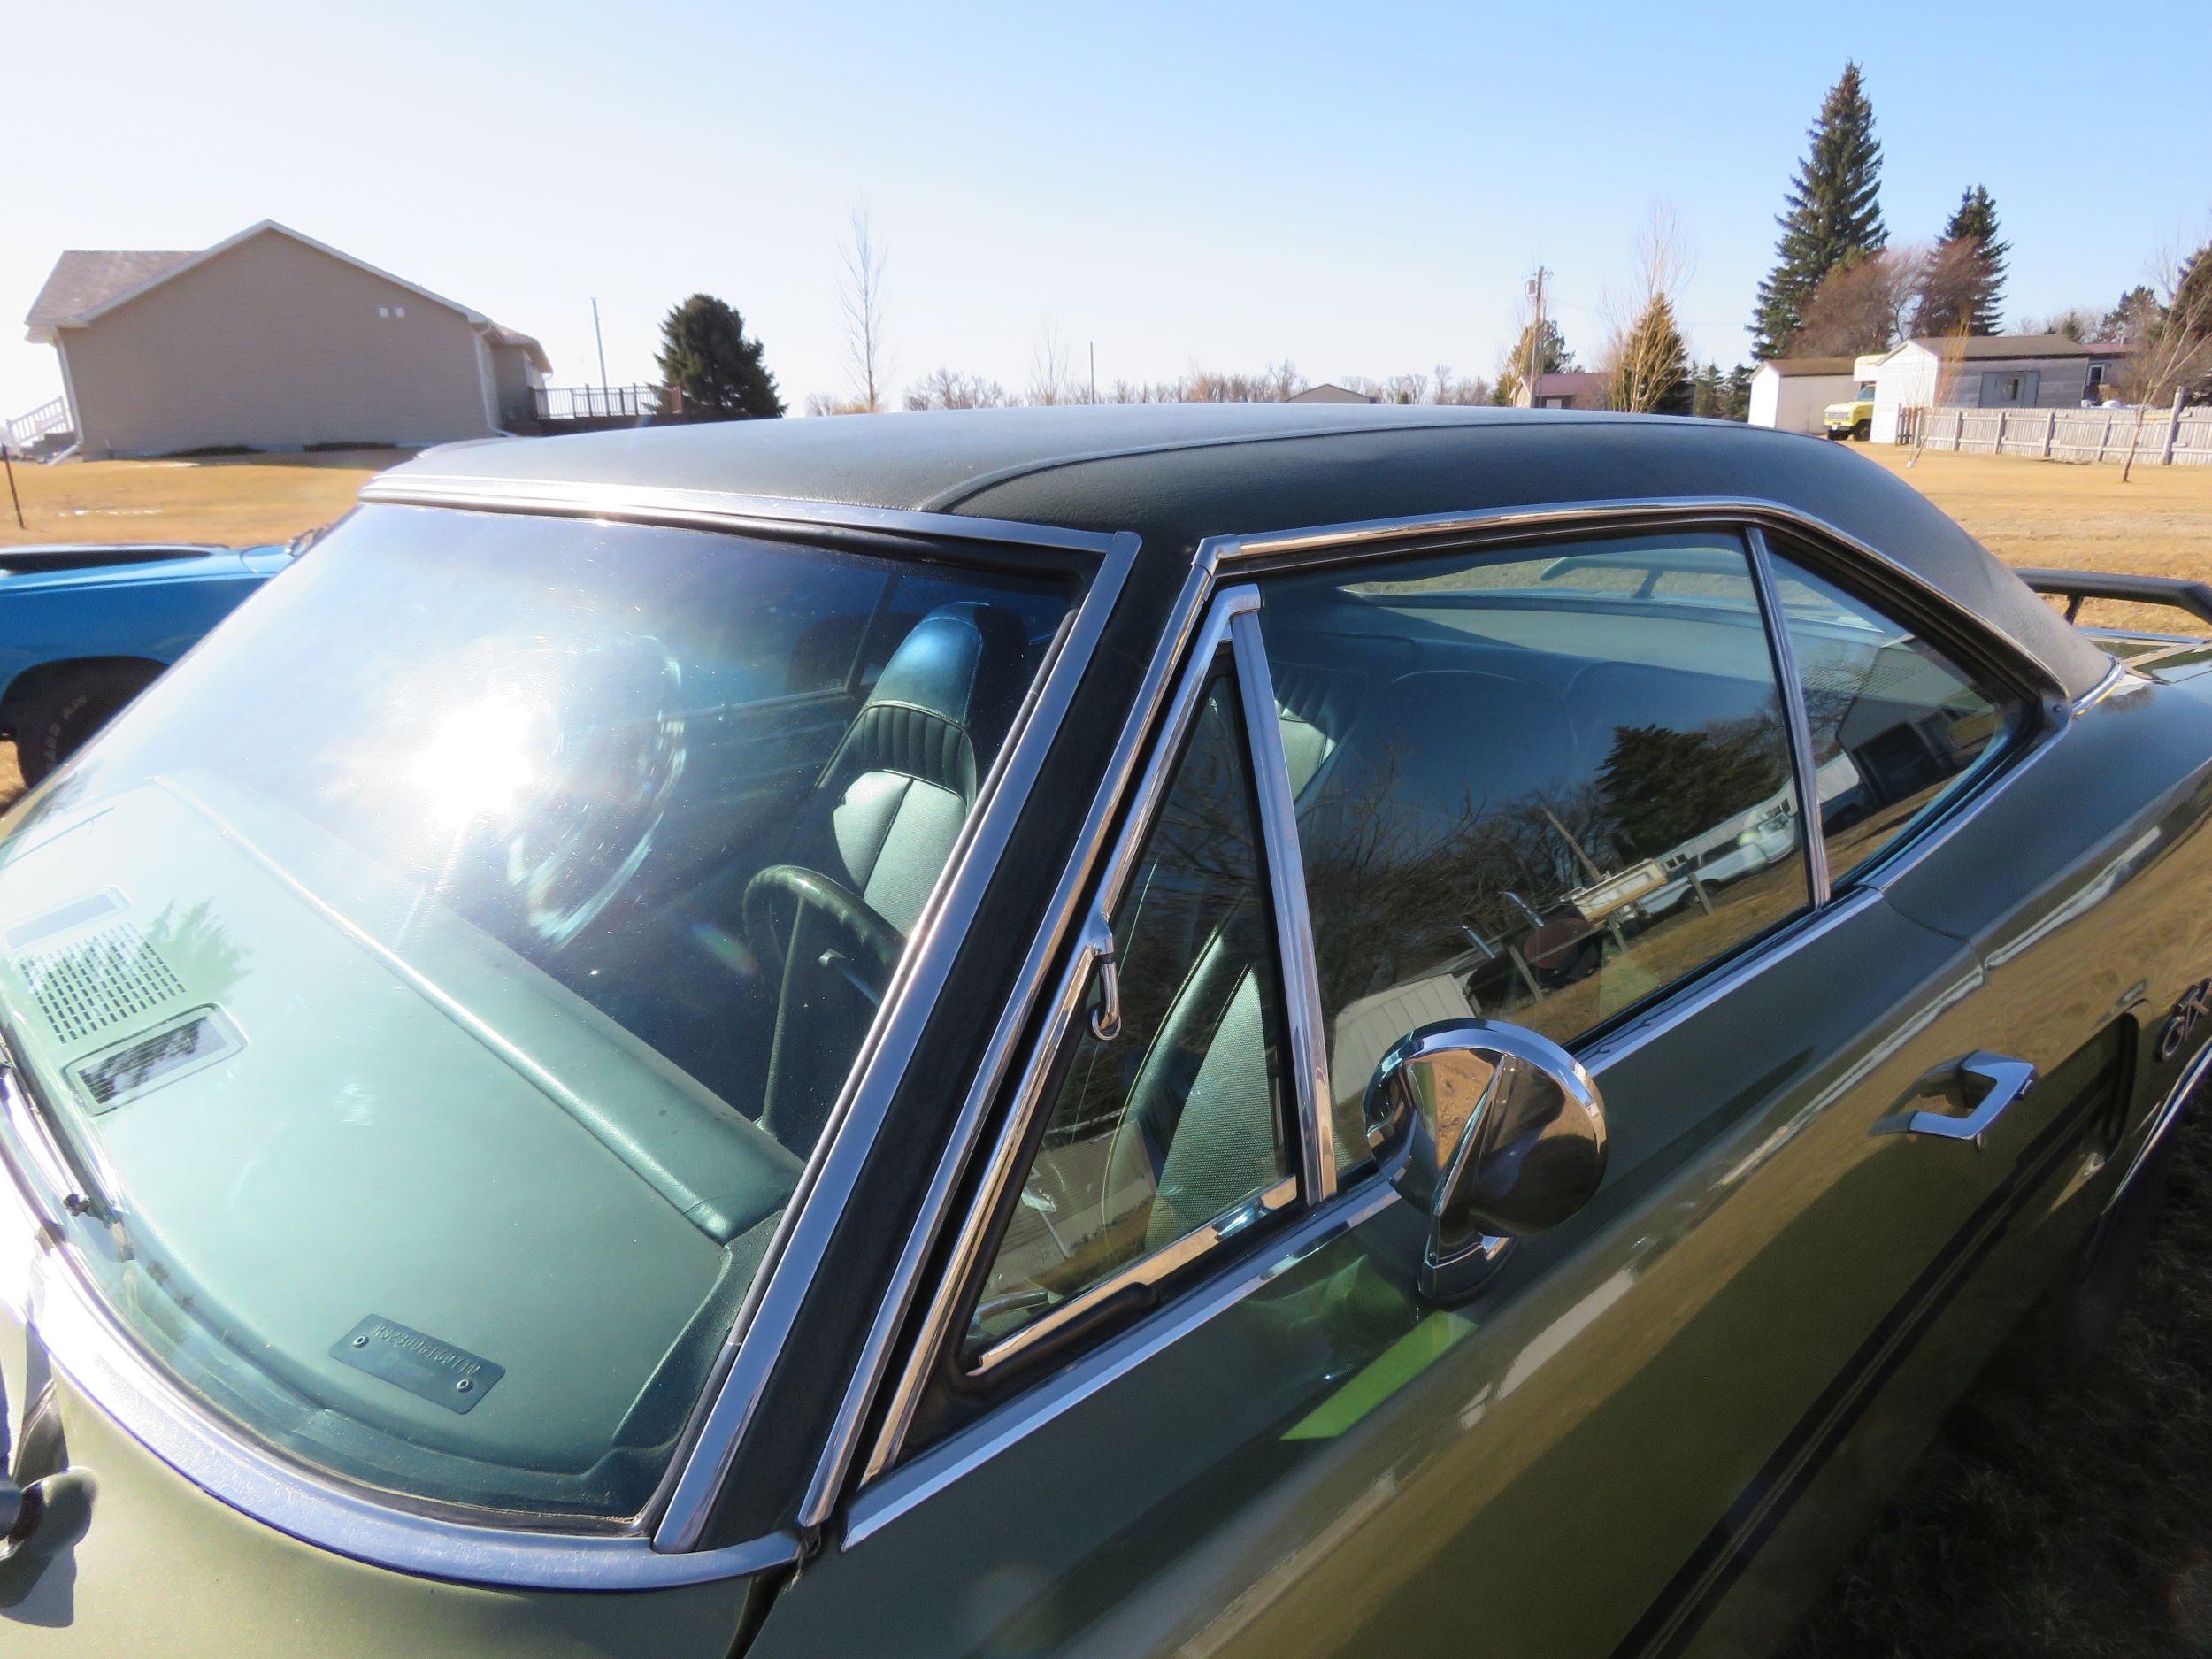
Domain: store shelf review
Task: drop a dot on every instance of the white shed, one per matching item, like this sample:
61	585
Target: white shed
1788	393
1992	371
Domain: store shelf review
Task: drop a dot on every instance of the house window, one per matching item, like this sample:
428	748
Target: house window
2096	374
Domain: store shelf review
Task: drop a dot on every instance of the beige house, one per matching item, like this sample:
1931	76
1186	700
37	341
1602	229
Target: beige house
1567	388
270	340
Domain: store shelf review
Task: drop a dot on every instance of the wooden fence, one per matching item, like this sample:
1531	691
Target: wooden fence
2161	437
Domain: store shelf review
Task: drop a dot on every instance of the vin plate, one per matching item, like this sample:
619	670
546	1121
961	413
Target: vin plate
438	1371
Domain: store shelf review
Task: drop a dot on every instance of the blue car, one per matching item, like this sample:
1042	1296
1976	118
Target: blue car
84	629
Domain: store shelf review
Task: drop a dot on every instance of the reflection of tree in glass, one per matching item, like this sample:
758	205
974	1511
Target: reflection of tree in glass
1664	786
205	950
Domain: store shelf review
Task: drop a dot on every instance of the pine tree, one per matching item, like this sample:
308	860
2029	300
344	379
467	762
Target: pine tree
1552	357
1651	373
1962	283
706	357
2136	314
1835	212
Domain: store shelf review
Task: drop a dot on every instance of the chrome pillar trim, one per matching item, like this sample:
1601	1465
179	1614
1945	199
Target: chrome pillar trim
903	1488
1802	760
773	1304
2162	1120
719	510
2119	680
1294	924
1371	538
1106	883
43	1282
985	1086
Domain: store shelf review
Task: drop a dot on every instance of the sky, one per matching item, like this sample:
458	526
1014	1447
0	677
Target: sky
1359	190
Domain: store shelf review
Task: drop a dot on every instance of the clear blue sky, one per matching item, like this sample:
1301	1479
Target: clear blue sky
1360	190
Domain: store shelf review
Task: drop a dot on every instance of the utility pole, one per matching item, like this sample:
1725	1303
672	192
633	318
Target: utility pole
602	343
1094	371
17	500
1535	332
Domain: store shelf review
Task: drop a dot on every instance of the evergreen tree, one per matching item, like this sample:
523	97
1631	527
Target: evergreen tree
1651	373
1552	357
1834	212
1720	394
1962	285
1739	405
705	355
2136	314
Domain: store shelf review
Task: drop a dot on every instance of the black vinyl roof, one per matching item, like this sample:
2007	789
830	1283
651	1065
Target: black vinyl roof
1177	473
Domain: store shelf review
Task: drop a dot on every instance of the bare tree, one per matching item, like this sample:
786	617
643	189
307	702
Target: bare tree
1051	376
948	388
2172	335
2076	322
1862	306
860	302
1645	359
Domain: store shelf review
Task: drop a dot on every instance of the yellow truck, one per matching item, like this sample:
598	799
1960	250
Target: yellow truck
1854	417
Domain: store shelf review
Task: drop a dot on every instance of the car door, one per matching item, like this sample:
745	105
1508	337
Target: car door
1178	1392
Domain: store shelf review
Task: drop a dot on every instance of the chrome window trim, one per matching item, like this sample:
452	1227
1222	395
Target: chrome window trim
886	1489
659	1546
1163	720
903	1488
1802	763
1294	922
1105	887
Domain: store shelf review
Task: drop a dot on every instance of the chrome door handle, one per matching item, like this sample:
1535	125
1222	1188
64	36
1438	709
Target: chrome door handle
1991	1082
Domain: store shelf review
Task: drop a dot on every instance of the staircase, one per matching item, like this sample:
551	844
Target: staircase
43	434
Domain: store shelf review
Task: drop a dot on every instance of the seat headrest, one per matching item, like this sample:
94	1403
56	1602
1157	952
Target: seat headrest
944	698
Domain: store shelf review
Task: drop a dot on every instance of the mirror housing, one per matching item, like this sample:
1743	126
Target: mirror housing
1492	1132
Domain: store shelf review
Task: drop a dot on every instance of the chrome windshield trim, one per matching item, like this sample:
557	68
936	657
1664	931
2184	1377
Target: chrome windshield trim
1294	922
722	509
43	1285
771	1306
990	1077
2117	678
903	1488
1803	763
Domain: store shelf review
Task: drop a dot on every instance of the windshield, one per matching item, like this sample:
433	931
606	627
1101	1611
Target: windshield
441	976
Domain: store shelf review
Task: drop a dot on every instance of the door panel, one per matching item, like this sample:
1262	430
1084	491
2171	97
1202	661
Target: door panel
1328	1464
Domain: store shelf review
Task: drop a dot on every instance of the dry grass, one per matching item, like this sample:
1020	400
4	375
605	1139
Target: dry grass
233	501
2052	512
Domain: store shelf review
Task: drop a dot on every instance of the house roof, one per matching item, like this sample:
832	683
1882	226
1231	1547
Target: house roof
1175	473
1568	381
1809	366
502	335
83	278
85	284
2004	348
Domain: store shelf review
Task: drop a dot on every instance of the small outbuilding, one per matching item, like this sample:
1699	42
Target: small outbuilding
1566	389
1330	392
271	340
1992	371
1788	393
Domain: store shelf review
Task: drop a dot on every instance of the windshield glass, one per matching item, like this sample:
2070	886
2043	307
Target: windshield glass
441	976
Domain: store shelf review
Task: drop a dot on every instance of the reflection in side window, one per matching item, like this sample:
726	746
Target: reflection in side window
1178	1120
1533	787
1894	722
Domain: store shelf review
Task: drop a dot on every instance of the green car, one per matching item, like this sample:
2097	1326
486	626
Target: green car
1852	418
1206	1031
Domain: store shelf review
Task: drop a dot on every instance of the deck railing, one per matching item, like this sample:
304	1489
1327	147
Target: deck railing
25	430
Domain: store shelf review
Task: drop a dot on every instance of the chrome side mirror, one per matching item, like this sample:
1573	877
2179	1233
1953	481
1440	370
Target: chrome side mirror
1491	1132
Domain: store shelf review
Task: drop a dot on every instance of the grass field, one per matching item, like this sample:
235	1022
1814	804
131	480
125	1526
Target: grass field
2075	1523
231	502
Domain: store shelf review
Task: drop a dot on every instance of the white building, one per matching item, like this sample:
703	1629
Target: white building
270	340
1789	393
1992	371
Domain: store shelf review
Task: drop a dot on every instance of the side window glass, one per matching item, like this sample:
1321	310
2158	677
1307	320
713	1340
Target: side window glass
1533	786
1894	722
1177	1121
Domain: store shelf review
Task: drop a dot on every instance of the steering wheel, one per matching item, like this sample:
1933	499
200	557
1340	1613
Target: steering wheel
876	943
